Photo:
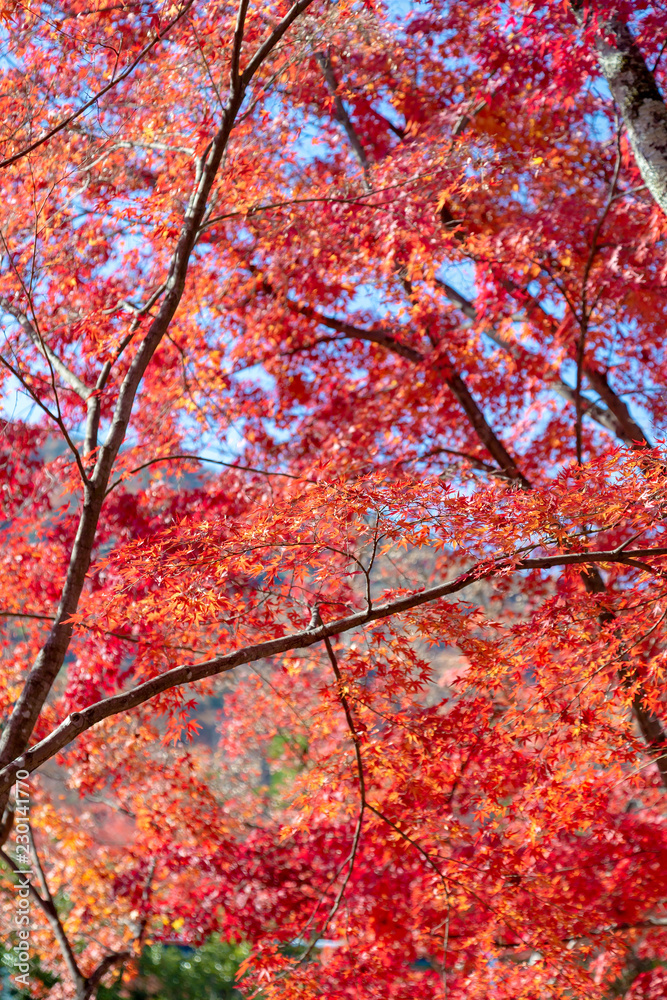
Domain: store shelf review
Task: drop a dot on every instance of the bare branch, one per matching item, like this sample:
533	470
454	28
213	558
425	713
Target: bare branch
67	375
209	461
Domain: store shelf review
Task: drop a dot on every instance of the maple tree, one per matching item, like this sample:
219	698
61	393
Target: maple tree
334	378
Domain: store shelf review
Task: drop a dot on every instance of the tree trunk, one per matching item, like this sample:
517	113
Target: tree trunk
639	100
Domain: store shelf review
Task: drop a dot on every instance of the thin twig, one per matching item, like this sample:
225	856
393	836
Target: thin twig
208	68
585	311
79	722
209	461
316	622
95	98
429	860
49	910
342	117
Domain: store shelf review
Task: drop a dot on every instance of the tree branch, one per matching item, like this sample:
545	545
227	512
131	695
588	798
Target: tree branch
452	379
342	117
209	461
236	45
49	910
78	722
67	375
93	100
16	733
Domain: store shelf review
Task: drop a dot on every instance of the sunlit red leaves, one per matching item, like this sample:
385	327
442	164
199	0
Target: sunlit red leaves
515	848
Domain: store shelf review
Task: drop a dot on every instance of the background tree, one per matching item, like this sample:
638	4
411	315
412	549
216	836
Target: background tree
334	377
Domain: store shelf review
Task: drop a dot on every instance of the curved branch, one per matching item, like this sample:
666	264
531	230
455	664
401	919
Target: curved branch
16	734
210	461
78	722
68	376
93	100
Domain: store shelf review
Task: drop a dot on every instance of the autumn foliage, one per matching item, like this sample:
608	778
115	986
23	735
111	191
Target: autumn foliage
334	493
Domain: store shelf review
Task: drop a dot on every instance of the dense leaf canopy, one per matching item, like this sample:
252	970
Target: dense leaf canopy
333	488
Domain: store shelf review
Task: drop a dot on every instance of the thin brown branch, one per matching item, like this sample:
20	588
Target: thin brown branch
584	319
342	117
452	379
206	65
55	417
78	722
237	43
49	910
208	461
270	43
96	97
429	860
316	621
380	337
473	459
357	199
107	963
67	375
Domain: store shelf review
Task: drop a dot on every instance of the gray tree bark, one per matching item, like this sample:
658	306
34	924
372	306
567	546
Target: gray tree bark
637	95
